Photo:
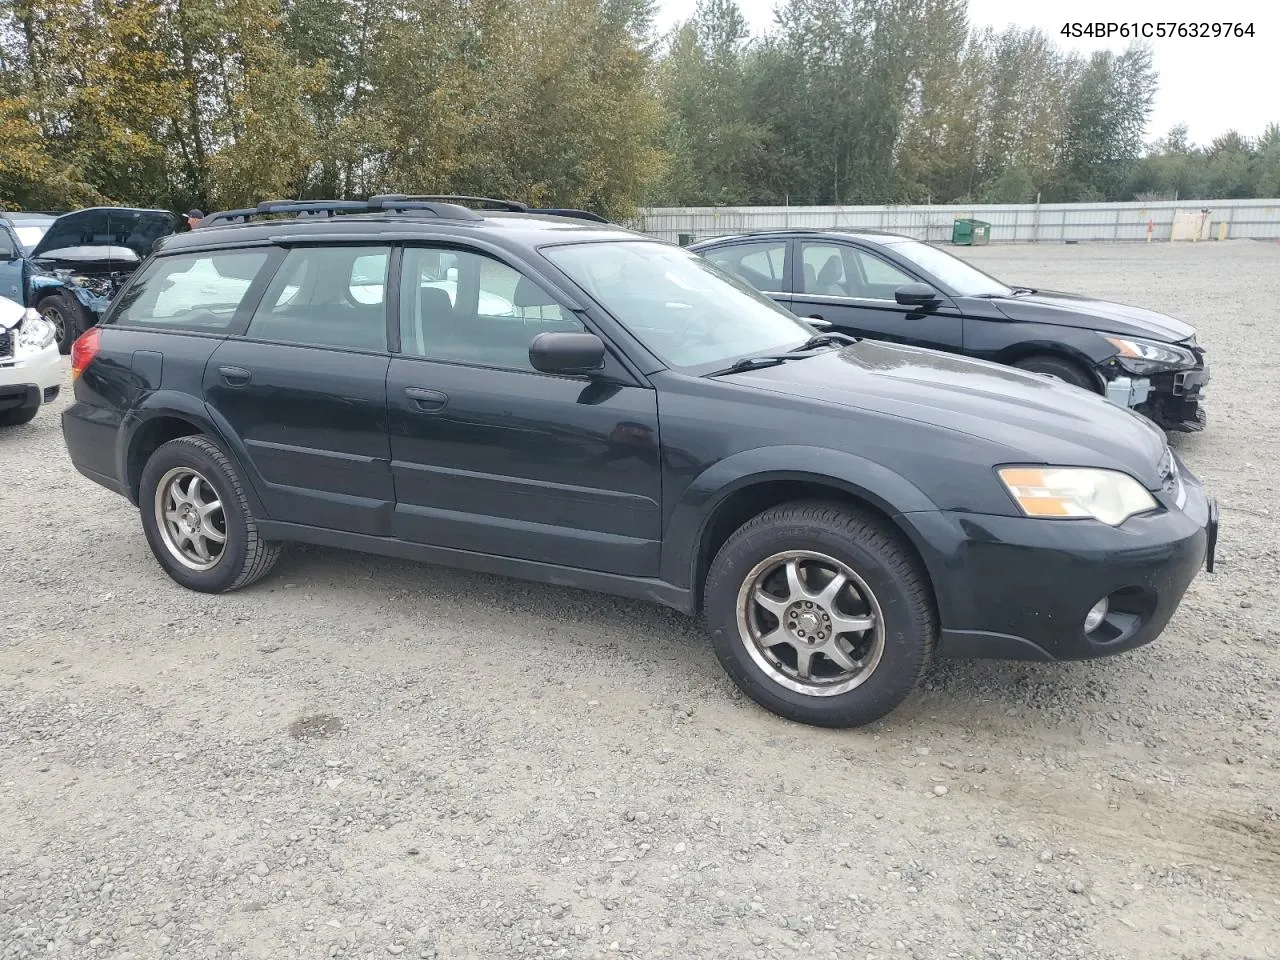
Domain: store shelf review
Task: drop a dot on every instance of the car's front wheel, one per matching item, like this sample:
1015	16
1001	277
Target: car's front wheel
1067	371
68	317
820	614
197	520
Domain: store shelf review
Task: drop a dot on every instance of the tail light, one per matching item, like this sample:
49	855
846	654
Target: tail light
84	350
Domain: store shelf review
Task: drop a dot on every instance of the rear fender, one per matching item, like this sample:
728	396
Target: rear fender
168	404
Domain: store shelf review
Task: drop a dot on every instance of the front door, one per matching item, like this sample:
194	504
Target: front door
11	267
854	289
305	390
490	456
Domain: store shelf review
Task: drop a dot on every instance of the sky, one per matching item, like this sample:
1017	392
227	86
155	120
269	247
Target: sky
1211	85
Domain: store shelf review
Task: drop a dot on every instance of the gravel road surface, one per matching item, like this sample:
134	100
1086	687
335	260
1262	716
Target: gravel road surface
361	757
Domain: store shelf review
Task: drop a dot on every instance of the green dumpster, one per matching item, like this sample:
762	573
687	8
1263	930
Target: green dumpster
684	239
970	233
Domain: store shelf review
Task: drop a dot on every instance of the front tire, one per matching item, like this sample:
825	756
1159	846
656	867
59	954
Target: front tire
197	520
1065	370
68	317
820	614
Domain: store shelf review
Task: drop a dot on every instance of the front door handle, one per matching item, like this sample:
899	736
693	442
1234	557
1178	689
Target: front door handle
235	376
428	401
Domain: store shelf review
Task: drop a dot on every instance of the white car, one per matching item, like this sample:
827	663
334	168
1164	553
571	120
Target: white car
30	373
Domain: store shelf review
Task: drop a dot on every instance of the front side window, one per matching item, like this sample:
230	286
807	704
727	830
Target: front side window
961	278
326	297
465	307
826	270
681	306
196	291
759	264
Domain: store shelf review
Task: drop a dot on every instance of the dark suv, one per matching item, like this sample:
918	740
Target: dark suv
566	401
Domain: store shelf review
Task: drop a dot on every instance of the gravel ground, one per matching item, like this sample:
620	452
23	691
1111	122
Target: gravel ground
366	758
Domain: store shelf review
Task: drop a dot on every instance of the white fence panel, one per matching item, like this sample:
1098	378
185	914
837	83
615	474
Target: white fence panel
1010	223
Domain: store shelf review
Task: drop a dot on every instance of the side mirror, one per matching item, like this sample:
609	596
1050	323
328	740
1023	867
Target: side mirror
916	295
566	353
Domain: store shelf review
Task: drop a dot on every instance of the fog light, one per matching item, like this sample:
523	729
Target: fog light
1093	619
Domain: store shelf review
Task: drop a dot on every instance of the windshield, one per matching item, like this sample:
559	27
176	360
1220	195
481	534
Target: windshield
29	234
681	306
964	280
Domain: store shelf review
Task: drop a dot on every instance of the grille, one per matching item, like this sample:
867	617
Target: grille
6	343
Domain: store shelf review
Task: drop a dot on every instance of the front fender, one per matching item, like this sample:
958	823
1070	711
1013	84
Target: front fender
163	404
888	491
41	285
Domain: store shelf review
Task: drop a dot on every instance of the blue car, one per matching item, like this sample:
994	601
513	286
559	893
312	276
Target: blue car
70	266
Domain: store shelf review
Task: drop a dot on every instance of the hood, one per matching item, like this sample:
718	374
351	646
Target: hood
1036	419
1068	309
10	313
106	227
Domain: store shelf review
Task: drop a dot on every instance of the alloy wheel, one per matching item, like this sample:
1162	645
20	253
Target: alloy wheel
810	623
190	517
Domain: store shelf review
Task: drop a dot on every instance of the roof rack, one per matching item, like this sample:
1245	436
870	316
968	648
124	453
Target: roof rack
383	203
568	212
508	206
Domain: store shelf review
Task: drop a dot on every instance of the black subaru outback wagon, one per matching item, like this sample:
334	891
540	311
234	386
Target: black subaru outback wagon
566	401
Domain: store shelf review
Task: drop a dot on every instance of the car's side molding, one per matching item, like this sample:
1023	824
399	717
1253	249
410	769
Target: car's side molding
691	518
168	404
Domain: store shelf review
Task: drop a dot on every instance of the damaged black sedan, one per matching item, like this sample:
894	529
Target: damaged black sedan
77	262
890	287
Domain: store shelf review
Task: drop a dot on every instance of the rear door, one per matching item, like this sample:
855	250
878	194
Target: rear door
305	388
854	289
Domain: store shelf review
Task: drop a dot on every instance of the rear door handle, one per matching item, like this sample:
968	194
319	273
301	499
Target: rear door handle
235	376
428	401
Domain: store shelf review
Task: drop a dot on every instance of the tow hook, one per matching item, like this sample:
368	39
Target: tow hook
1128	392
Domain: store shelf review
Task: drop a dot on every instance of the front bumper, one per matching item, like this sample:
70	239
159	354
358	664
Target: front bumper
29	379
1019	588
1174	400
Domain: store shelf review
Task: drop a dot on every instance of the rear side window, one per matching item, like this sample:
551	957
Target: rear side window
327	297
760	264
198	291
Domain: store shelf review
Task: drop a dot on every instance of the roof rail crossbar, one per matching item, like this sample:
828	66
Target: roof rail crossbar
387	203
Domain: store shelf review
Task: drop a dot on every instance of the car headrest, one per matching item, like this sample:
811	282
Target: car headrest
434	302
831	271
529	294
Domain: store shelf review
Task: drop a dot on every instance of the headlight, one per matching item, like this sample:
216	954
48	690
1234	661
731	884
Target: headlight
1147	356
34	331
1063	493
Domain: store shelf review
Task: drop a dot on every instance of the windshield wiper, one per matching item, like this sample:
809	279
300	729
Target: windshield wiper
1022	291
822	340
751	363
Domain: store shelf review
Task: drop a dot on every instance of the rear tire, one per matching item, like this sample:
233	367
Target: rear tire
197	520
1068	371
69	319
820	614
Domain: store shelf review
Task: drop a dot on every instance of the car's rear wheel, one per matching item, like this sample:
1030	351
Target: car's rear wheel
68	317
197	520
820	614
1060	369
